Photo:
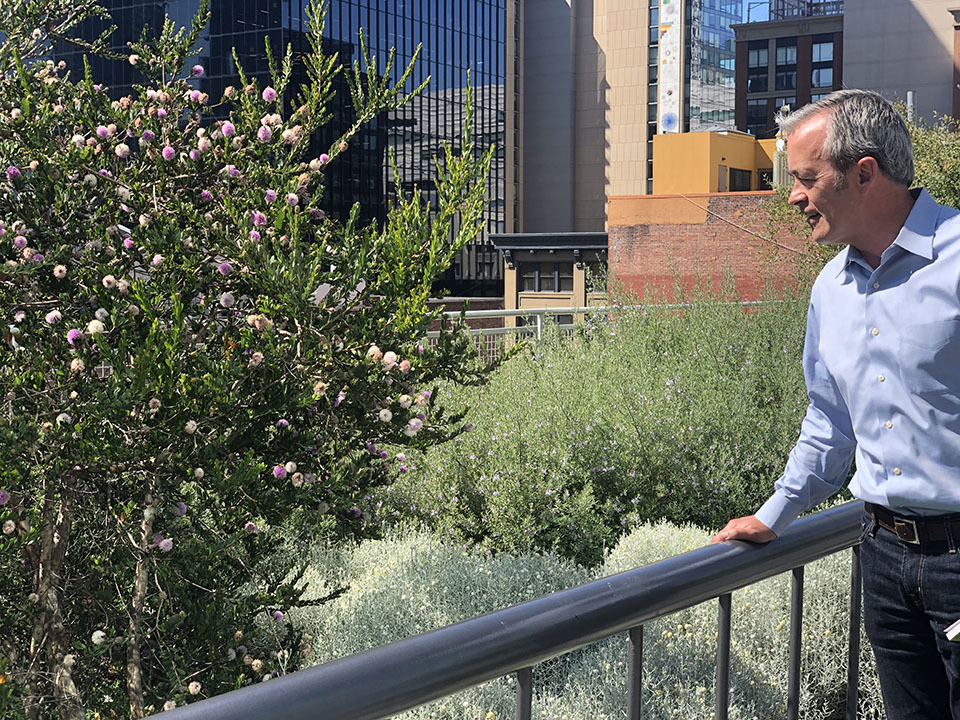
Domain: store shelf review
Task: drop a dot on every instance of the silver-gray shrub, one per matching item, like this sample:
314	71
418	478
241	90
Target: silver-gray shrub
862	123
413	583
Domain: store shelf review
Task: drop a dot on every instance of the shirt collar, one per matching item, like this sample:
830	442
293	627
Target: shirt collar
916	235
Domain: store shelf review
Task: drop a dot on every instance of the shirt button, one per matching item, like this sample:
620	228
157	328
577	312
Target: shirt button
888	424
875	331
880	378
876	285
896	471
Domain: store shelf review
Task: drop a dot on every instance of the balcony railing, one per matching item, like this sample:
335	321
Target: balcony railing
387	680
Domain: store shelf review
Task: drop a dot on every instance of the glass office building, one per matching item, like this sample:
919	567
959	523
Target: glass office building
711	60
456	35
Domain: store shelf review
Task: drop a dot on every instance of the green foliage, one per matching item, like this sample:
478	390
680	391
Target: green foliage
683	413
411	583
193	360
936	150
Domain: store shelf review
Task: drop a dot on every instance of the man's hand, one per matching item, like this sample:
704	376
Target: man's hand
745	528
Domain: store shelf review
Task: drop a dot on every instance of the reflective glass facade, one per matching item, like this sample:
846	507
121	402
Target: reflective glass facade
456	35
709	91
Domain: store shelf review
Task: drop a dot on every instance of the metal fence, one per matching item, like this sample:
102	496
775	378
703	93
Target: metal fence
387	680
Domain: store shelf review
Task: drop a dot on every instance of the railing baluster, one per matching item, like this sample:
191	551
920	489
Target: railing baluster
723	659
635	671
524	693
853	654
796	626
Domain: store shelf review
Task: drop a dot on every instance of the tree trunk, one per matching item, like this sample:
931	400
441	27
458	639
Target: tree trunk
50	636
134	666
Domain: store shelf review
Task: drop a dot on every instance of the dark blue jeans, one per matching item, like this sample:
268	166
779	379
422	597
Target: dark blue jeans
911	593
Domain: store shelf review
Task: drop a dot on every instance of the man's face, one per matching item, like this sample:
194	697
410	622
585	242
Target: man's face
823	195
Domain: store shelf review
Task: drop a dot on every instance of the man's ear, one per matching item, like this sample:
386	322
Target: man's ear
868	170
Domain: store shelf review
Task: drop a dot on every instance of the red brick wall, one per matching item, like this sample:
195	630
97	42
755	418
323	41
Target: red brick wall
651	257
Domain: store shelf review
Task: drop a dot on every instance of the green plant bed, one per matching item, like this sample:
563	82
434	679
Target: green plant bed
682	414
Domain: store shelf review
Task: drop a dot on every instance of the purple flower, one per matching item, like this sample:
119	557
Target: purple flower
283	424
231	171
157	260
278	616
258	218
228	129
225	268
293	199
197	70
128	242
269	94
19	242
355	511
73	335
103	132
4	497
166	545
194	155
206	195
324	158
161	113
250	528
147	137
270	196
157	539
279	472
181	509
254	235
194	95
13	173
37	257
264	134
168	153
340	398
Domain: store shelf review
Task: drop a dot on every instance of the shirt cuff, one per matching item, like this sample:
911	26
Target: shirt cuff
778	512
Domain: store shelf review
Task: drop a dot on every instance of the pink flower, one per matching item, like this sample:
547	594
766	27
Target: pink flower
250	528
270	196
293	199
194	155
161	113
228	129
278	616
147	137
283	424
258	218
206	195
197	70
103	132
168	153
13	173
194	95
279	472
166	545
264	134
157	260
128	242
324	158
19	242
53	316
225	268
254	235
73	335
109	282
269	94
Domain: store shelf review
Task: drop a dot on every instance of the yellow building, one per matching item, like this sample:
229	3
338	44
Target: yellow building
711	162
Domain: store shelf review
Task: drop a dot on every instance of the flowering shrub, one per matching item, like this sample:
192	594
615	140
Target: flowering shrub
194	355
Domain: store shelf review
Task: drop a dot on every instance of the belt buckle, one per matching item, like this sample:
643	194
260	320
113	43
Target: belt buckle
906	530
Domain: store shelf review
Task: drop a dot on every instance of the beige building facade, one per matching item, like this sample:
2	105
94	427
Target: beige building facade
895	46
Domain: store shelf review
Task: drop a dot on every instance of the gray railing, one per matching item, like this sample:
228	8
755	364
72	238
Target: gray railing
387	680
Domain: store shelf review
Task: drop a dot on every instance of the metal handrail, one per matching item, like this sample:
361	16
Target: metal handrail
384	681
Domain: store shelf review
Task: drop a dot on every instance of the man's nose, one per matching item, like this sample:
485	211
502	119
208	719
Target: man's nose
796	193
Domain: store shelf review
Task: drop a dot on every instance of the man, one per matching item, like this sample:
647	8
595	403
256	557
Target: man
882	367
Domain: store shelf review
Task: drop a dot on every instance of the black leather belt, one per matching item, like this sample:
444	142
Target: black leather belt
916	530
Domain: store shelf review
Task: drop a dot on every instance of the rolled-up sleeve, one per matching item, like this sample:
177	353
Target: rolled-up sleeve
820	461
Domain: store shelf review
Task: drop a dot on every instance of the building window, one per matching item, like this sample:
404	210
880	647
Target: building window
818	96
822	61
757	117
546	277
786	68
779	102
758	61
739	180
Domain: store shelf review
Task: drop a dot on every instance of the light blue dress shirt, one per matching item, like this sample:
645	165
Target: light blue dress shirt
882	368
